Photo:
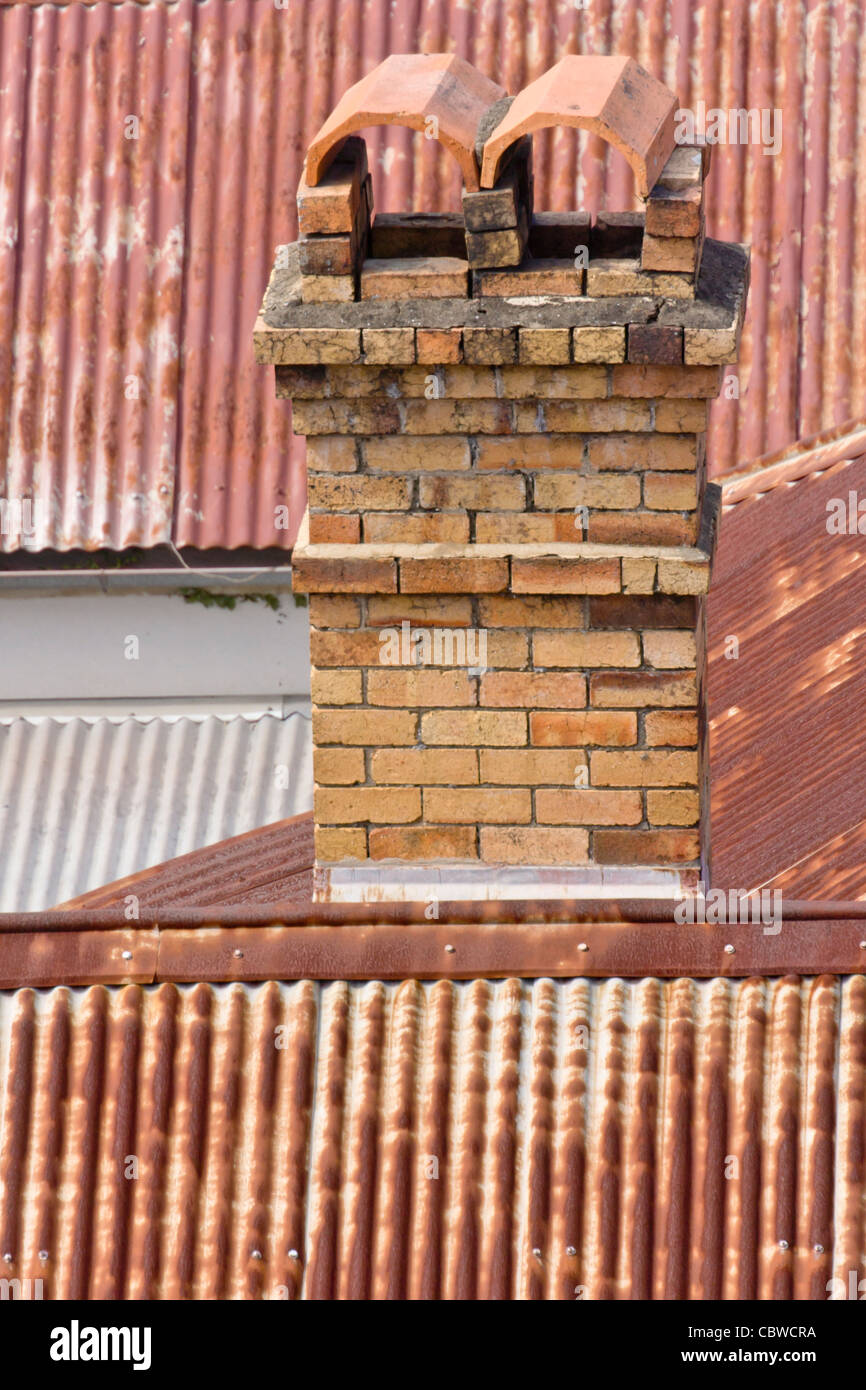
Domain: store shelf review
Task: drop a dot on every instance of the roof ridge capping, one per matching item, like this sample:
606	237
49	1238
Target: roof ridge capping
610	96
412	89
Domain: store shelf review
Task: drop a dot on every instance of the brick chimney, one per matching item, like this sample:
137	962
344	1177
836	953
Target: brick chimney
509	534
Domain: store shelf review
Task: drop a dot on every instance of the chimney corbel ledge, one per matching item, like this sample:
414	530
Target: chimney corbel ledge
510	532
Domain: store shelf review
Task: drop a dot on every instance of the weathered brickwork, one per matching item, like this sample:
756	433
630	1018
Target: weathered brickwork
510	531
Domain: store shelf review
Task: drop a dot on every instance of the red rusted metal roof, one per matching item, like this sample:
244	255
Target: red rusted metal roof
786	697
561	1140
139	263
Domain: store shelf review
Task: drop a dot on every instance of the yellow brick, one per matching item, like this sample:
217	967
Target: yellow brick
407	454
384	805
422	610
339	767
396	528
484	728
638	574
671	728
672	808
555	492
339	610
530	451
358	728
359	492
591	344
583	649
531	767
670	492
475	493
681	417
588	807
412	688
643	768
533	610
669	650
488	805
533	690
331	453
592	417
333	845
450	767
333	687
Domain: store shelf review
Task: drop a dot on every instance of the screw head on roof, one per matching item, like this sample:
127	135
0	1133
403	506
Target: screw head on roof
582	946
729	949
783	1245
293	1255
8	1258
863	945
451	950
537	1253
127	955
43	1255
237	952
256	1254
819	1249
571	1250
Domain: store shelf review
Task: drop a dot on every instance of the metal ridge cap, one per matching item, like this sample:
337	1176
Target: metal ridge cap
582	912
808	456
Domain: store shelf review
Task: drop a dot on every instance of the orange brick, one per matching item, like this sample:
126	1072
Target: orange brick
346	805
671	728
334	610
360	492
391	527
450	767
336	687
672	808
583	649
642	528
484	728
630	451
669	253
556	491
425	610
534	845
339	767
331	453
673	492
481	494
541	610
633	690
670	650
549	576
476	575
532	767
423	842
342	574
645	846
530	451
588	807
488	805
412	688
643	768
533	690
358	728
507	649
439	344
328	529
568	728
415	277
658	381
681	417
332	845
410	454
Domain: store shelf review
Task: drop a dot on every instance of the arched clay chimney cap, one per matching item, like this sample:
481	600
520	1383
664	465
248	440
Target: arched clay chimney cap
611	96
408	89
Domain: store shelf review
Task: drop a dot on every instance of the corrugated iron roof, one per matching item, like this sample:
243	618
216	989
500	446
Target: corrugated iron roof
788	766
567	1140
84	802
146	258
271	864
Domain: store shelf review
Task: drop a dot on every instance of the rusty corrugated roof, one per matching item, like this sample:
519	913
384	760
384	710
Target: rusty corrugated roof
788	767
571	1139
146	258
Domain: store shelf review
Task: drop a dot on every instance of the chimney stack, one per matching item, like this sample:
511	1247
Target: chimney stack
509	533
